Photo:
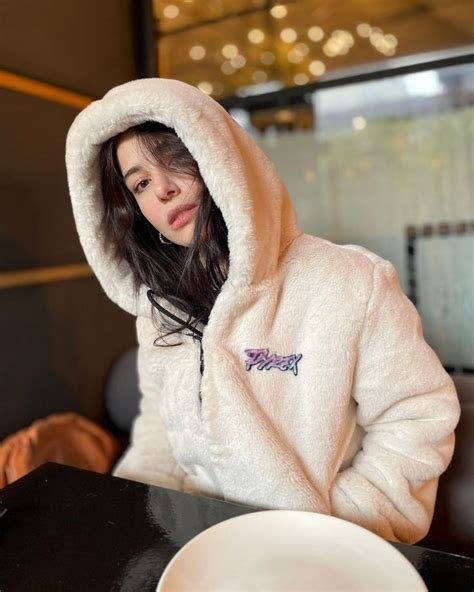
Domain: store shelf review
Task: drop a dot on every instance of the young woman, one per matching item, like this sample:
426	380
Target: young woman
277	369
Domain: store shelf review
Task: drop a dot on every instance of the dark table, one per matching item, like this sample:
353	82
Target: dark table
68	529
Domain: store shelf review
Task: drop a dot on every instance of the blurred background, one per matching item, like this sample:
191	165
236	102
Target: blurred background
364	106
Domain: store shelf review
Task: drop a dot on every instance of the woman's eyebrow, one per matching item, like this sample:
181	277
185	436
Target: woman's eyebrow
133	169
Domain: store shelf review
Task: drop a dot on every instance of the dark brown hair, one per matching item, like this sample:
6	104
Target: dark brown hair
190	278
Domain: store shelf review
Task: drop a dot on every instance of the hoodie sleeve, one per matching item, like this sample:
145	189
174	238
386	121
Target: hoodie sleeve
149	458
408	407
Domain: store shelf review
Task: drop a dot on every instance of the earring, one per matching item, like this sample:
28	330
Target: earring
164	240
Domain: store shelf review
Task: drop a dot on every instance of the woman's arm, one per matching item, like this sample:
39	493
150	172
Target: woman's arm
149	459
408	406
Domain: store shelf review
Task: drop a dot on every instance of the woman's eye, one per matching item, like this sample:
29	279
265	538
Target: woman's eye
140	186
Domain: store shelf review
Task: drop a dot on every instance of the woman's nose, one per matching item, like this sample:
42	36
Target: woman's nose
165	187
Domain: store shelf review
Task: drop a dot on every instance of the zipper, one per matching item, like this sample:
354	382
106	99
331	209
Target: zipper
195	333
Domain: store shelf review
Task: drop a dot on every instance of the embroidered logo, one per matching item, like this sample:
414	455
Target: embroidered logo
263	360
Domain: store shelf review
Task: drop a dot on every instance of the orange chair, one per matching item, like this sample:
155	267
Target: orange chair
65	438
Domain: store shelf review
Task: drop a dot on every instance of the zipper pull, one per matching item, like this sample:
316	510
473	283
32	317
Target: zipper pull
201	369
201	358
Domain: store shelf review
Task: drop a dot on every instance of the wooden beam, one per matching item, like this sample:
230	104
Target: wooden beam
44	275
42	90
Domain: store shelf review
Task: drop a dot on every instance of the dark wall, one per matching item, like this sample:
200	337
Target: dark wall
82	45
58	340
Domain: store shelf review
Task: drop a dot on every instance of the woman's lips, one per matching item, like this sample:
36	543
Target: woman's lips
180	216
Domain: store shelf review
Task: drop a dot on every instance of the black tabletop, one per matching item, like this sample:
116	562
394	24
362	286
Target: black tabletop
65	529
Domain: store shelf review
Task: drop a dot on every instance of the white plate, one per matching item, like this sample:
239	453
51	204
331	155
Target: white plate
288	551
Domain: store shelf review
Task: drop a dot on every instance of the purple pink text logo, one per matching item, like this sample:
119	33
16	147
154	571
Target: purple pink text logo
263	360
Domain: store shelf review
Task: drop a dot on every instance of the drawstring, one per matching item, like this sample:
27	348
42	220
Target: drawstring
195	332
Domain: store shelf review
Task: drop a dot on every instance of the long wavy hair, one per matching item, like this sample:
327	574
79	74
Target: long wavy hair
190	278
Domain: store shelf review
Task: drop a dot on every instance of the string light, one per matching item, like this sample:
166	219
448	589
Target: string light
197	52
205	87
391	40
267	58
230	51
317	68
329	51
171	11
278	11
288	35
385	44
238	62
259	76
256	36
339	43
364	29
315	33
301	78
302	48
227	68
376	37
294	56
345	36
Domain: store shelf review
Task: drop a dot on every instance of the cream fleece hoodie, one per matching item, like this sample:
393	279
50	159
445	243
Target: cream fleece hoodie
319	392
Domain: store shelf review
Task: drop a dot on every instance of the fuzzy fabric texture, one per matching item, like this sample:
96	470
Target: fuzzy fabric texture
319	392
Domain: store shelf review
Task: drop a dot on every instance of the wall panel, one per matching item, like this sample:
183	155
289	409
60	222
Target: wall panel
83	45
59	338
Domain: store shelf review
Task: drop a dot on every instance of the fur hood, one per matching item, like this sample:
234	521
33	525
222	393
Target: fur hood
241	179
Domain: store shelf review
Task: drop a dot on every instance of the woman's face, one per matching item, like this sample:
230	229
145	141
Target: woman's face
168	200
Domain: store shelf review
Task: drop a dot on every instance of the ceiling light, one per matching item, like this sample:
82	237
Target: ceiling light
259	76
294	56
267	58
347	38
391	40
279	11
376	38
197	52
335	45
256	36
315	33
206	87
329	51
288	35
227	68
301	79
359	123
238	62
302	48
364	29
317	68
343	37
230	51
171	11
